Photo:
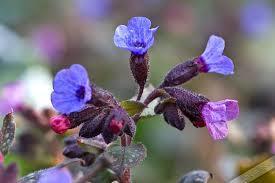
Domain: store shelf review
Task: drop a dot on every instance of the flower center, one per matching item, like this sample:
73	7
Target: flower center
201	64
139	44
80	93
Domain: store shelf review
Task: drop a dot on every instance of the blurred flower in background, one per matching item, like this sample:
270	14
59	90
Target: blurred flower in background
49	40
93	9
256	17
12	97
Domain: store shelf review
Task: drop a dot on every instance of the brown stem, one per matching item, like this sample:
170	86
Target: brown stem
152	96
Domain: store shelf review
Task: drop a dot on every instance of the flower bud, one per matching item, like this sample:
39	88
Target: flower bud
139	65
94	126
190	103
1	158
60	124
180	74
173	116
73	151
116	126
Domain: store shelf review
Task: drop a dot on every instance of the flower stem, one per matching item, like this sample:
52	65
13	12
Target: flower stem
126	172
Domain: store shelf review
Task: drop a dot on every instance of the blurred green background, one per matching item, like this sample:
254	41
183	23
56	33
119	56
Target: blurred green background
38	38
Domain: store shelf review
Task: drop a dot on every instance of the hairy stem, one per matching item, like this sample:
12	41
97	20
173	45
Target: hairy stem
101	163
125	176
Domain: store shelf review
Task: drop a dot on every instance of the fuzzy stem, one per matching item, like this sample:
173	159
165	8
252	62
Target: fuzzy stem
140	92
126	173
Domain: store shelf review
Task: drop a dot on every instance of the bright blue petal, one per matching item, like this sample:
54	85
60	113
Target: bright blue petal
139	23
214	48
62	82
121	36
214	60
222	65
56	176
66	104
78	74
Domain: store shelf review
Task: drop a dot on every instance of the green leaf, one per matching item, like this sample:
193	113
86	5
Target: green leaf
105	176
126	157
197	176
132	107
7	133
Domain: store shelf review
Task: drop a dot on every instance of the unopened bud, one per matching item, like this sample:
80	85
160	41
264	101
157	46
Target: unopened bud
180	74
116	126
60	124
174	116
139	65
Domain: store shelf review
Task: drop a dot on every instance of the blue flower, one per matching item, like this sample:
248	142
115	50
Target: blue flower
256	17
137	36
213	60
94	9
56	175
71	89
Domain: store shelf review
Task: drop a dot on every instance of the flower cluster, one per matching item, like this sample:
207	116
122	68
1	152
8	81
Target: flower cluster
99	113
79	102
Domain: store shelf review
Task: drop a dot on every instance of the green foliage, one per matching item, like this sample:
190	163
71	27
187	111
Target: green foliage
132	107
126	156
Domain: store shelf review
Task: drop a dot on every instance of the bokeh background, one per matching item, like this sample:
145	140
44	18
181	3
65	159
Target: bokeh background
38	38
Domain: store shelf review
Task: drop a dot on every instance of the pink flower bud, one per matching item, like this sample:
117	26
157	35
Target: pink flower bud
116	126
60	124
1	158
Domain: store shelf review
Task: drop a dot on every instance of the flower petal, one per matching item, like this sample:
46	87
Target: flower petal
224	110
215	47
218	130
56	176
213	112
138	23
66	103
79	74
222	65
121	36
232	109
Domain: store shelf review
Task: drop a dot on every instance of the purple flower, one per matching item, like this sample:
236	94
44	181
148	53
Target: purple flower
71	89
50	42
216	115
95	9
213	60
11	98
256	17
136	37
56	175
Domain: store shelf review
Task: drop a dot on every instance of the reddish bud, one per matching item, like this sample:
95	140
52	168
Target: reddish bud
116	126
60	124
1	158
